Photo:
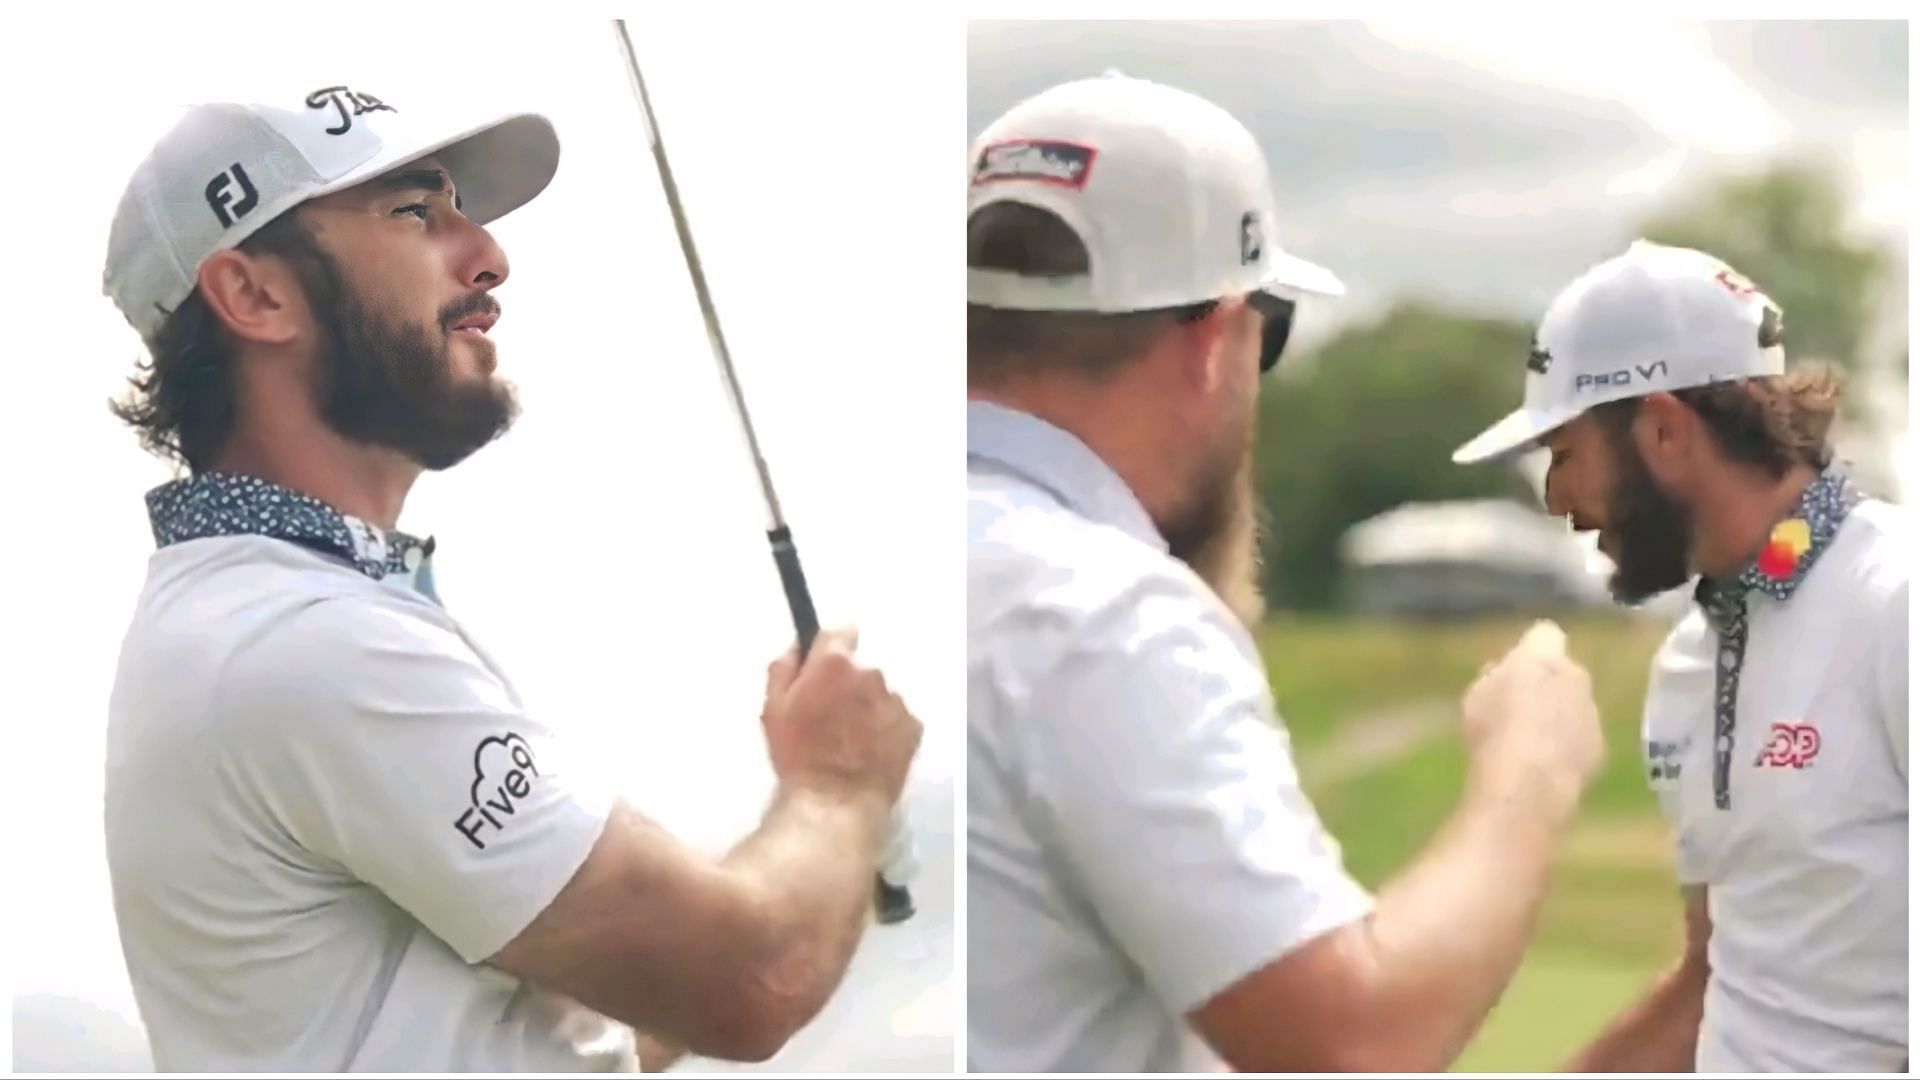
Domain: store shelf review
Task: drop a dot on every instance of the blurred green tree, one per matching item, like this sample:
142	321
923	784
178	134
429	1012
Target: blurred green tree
1370	420
1785	229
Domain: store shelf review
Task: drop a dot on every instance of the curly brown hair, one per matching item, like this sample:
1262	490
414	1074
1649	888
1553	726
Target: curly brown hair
1774	422
181	399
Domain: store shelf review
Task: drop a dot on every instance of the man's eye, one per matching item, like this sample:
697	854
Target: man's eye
418	210
1560	457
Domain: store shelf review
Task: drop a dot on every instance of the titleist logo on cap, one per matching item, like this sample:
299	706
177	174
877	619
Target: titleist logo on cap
339	97
1063	163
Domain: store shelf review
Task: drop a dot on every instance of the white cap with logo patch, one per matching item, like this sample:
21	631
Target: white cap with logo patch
1169	193
1654	318
225	170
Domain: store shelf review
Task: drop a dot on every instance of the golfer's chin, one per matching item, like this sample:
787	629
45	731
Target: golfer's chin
473	355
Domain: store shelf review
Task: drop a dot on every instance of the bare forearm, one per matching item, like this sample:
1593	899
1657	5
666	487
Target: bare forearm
1449	932
811	863
1656	1034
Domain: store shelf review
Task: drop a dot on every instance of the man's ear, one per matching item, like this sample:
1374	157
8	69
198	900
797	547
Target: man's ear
1666	432
257	298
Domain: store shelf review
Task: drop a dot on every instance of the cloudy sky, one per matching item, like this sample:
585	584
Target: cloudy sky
1483	162
1487	161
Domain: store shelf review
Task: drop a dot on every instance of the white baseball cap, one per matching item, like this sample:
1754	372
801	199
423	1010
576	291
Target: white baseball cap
225	170
1170	194
1654	318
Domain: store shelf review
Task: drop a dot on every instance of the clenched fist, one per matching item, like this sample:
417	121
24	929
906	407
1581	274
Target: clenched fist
1531	727
832	724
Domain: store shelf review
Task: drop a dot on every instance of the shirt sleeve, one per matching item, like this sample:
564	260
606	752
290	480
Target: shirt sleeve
1165	786
374	737
1893	663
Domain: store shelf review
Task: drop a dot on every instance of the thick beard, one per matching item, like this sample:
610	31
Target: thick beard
1653	531
1220	533
384	382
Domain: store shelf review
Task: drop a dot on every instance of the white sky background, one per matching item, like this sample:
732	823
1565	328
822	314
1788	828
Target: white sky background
610	551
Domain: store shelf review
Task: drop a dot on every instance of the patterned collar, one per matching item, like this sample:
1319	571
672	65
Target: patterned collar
224	504
1792	548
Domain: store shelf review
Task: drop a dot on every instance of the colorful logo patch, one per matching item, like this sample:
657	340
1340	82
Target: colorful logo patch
1790	540
1736	282
1047	161
1790	746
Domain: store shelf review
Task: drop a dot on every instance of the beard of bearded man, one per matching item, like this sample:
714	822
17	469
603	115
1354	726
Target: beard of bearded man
1220	531
383	381
1653	532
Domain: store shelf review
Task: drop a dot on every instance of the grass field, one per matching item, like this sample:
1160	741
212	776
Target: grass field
1372	707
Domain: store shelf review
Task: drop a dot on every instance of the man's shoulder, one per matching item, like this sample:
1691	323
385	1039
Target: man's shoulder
1879	540
1033	558
247	615
1013	523
1890	520
245	568
1050	592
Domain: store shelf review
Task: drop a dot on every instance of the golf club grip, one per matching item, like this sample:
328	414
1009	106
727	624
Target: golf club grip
894	903
806	625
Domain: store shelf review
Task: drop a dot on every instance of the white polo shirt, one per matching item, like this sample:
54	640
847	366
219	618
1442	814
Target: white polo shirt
326	808
1137	837
1806	866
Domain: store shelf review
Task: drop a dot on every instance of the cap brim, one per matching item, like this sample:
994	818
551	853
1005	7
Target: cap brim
500	167
1289	277
497	167
1518	431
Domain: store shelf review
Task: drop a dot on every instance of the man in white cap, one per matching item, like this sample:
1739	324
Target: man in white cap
337	839
1149	889
1776	714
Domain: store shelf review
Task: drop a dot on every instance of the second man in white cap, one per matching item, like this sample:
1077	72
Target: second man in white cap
1776	714
1149	888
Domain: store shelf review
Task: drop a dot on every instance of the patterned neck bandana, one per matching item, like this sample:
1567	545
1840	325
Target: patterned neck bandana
1791	549
224	504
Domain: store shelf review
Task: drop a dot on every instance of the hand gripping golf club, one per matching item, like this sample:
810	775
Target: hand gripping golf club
892	901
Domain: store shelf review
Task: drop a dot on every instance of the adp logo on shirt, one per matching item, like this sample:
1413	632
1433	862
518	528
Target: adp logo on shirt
502	765
1790	746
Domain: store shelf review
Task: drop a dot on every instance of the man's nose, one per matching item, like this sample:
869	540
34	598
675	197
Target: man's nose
483	263
1558	505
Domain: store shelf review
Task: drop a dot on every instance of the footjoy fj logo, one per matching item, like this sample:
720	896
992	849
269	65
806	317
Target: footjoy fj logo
1062	163
502	767
340	98
1790	746
228	205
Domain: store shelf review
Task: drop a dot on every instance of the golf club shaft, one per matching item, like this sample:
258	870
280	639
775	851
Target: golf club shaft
786	556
